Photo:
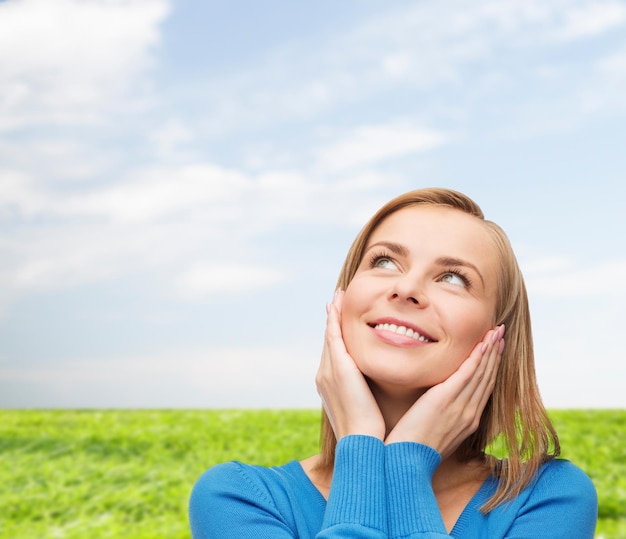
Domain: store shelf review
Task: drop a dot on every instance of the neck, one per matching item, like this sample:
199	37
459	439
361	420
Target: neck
394	403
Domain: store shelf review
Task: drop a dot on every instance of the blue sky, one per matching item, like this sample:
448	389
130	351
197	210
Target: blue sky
180	182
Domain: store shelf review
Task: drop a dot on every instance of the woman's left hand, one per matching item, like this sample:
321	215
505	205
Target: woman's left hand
446	414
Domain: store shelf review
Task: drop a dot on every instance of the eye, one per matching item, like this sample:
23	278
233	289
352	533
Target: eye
382	261
456	278
387	263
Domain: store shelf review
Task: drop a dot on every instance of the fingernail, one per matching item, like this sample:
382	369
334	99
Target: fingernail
327	308
501	347
484	348
498	333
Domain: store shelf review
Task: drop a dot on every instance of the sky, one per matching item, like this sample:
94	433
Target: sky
180	183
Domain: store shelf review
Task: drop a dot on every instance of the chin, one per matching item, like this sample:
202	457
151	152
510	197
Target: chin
400	382
403	377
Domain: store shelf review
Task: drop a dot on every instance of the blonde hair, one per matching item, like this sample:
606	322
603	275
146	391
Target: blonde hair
514	416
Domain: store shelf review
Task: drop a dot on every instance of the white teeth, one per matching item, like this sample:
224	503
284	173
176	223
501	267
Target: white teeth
402	330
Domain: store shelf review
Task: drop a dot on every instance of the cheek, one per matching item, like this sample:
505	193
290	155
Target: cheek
353	304
466	323
463	342
475	326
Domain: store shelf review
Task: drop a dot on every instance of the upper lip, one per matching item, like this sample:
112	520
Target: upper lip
397	322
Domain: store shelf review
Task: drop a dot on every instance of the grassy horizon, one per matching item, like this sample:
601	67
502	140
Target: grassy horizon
128	473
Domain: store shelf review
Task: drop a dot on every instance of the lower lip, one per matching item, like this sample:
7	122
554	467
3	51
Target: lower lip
396	339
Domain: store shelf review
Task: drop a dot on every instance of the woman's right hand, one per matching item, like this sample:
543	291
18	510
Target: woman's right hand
449	412
346	396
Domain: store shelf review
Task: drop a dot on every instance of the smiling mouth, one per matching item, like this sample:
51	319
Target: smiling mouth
402	330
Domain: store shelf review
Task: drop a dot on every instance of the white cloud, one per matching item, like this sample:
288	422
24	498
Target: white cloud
370	144
41	159
591	19
62	60
205	279
171	138
207	377
580	362
165	223
66	256
559	277
577	382
214	194
614	63
537	266
412	48
397	64
145	195
18	195
154	193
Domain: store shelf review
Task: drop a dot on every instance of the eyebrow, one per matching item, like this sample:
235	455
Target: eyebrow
395	248
449	261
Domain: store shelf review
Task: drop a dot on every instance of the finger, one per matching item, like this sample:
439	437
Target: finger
334	337
489	355
474	375
481	367
491	360
487	373
493	366
336	364
338	302
466	378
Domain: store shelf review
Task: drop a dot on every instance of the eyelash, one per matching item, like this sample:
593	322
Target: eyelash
461	275
376	257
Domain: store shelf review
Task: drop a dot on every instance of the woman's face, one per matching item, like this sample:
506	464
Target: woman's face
423	296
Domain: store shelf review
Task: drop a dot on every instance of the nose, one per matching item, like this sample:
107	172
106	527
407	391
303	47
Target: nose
407	288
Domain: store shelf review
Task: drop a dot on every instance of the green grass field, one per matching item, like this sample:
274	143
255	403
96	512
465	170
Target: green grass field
128	474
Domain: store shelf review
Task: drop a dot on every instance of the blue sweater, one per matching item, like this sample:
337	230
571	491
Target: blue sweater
382	491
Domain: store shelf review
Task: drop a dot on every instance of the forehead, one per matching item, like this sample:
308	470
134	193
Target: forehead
440	231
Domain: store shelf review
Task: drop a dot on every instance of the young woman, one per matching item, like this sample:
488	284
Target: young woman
417	383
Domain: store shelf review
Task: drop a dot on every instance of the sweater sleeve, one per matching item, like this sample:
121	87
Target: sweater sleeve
356	505
563	503
412	507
